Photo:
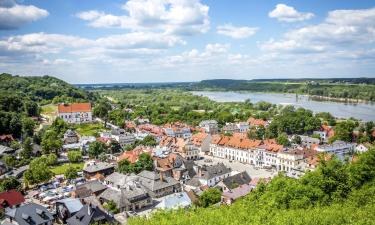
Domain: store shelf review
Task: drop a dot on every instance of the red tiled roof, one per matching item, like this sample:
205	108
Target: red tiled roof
256	122
198	138
6	137
133	155
11	198
74	107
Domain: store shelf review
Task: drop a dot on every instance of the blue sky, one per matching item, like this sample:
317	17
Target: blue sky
95	41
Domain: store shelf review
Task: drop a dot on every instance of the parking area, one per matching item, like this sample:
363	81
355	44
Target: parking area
237	166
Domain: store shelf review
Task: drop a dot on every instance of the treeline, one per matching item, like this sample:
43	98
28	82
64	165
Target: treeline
20	98
360	91
335	193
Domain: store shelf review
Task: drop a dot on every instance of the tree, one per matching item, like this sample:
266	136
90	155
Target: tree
9	160
124	166
70	173
209	197
148	141
27	148
260	132
74	156
96	148
51	159
38	171
59	126
297	139
101	110
144	162
28	126
344	131
111	207
282	139
10	183
115	147
51	142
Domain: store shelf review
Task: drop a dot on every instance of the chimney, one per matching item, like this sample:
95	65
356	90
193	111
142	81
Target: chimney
89	209
161	176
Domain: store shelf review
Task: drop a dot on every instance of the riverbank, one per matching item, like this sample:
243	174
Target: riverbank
339	109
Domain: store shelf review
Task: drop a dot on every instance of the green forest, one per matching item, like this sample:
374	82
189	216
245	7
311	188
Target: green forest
335	193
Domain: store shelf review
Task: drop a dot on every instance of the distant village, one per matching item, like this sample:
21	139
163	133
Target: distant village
187	161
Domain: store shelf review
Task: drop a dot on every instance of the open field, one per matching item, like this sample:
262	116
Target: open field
60	169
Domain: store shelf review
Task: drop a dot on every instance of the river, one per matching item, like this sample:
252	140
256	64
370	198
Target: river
363	111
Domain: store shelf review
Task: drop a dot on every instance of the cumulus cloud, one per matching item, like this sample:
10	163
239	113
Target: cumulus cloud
236	32
341	29
13	15
182	17
287	13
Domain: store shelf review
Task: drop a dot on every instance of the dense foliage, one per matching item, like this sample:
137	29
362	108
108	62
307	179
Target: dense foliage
335	193
169	105
144	162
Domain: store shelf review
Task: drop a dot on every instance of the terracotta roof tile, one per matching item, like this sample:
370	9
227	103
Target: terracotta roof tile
74	107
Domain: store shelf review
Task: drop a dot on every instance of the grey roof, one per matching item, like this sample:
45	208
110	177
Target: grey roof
237	180
72	204
152	181
194	182
121	180
98	167
19	171
177	200
209	172
31	214
89	214
125	196
70	133
93	185
5	149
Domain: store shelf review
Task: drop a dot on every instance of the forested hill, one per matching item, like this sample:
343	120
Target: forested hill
335	193
345	88
21	97
41	89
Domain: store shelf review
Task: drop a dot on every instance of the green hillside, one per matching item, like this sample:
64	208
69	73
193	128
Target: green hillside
335	193
21	98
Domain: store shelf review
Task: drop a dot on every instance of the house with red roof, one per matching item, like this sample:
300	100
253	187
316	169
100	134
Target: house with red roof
75	113
11	199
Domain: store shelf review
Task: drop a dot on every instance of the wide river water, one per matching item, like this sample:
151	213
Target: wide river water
363	111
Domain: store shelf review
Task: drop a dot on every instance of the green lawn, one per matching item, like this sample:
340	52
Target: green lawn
89	129
49	109
57	170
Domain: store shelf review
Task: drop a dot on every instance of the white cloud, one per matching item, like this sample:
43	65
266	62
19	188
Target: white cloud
287	13
183	17
236	32
342	29
13	15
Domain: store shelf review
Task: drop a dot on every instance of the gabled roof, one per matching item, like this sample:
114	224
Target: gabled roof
237	180
89	214
97	167
30	214
11	198
74	107
93	186
72	204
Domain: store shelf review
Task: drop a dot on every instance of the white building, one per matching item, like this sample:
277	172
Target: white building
241	149
210	126
337	147
122	137
361	148
75	113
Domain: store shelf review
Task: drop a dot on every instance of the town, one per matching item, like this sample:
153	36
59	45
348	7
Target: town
139	168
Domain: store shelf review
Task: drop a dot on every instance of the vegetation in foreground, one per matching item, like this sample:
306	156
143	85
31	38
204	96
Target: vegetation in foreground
335	193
